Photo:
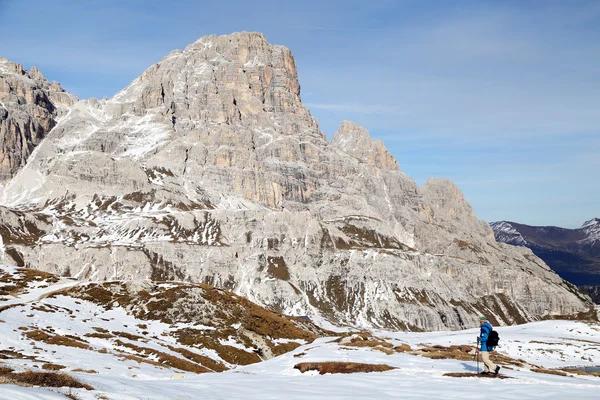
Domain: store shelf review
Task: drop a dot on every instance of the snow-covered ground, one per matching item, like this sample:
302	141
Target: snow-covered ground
547	344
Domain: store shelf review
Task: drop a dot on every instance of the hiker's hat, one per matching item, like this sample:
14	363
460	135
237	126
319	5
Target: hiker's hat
483	319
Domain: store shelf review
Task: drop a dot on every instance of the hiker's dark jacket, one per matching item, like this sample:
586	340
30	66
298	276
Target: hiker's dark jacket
483	336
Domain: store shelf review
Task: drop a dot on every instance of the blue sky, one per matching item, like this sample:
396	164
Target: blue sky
502	97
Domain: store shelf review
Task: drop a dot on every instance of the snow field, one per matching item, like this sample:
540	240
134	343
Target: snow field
548	344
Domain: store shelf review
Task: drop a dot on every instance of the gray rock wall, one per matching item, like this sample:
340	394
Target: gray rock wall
29	108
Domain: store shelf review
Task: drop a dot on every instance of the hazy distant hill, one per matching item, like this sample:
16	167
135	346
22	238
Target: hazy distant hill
573	253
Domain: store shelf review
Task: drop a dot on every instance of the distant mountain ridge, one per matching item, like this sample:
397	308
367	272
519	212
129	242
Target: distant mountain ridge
573	253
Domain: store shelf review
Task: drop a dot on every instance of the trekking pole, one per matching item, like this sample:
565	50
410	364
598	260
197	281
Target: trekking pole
477	355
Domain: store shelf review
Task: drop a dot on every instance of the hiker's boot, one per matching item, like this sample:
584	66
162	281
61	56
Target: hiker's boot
485	373
497	369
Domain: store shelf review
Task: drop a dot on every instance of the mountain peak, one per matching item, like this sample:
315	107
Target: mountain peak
505	232
591	223
29	109
8	67
238	80
356	141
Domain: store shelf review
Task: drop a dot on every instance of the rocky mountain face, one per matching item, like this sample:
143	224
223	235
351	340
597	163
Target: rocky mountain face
208	168
573	253
29	108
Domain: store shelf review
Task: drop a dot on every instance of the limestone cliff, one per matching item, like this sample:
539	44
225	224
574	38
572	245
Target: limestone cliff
29	108
208	168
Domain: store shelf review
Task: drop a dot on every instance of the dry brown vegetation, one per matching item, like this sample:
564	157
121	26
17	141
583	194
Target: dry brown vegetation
580	372
200	359
284	348
341	367
439	352
99	335
165	359
11	354
463	353
365	339
206	305
87	371
403	348
548	371
44	379
19	282
475	375
232	355
128	336
59	340
53	367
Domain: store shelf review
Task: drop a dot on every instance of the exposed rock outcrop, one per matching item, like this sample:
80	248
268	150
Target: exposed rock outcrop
208	168
29	108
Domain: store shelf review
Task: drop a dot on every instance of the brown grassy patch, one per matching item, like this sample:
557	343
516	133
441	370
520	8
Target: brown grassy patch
232	355
385	350
580	372
200	359
141	360
87	371
59	340
341	367
20	281
53	367
475	375
364	339
539	342
284	348
403	348
128	335
43	308
371	343
464	353
15	355
453	352
548	371
5	370
165	359
44	379
581	340
99	335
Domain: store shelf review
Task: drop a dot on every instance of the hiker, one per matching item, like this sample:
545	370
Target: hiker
486	329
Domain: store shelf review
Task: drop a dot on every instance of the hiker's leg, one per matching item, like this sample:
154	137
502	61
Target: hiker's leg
488	364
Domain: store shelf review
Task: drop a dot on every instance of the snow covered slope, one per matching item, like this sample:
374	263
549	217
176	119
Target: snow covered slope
129	347
145	329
